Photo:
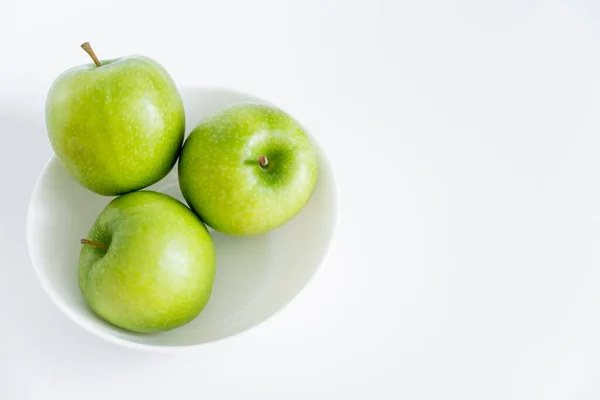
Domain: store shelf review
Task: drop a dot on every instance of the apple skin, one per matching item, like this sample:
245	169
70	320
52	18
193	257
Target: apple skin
158	271
118	127
222	181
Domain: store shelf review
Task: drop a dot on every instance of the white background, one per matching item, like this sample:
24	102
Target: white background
465	137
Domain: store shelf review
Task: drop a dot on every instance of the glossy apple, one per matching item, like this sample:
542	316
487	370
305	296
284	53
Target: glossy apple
148	263
248	169
116	125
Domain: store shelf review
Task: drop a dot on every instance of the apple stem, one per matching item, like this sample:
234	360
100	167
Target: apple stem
94	243
88	49
263	161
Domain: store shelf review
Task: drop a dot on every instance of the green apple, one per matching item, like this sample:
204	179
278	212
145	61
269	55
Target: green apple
148	263
247	169
116	125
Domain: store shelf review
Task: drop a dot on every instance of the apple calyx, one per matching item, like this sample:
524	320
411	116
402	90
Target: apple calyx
88	49
94	243
263	161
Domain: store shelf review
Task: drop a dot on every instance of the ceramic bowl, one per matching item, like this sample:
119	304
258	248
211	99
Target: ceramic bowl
256	276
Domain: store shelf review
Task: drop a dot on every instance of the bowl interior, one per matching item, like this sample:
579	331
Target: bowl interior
256	276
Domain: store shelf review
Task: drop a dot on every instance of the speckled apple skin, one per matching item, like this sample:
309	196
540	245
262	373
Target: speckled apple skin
158	271
118	127
222	181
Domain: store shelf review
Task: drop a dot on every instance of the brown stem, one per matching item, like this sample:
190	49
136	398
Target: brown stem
263	161
94	243
88	49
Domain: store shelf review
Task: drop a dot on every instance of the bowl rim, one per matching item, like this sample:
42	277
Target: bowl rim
67	310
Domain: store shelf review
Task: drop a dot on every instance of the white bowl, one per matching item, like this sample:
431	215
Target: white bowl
256	276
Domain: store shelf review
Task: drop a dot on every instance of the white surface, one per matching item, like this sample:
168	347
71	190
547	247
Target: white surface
256	276
464	136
